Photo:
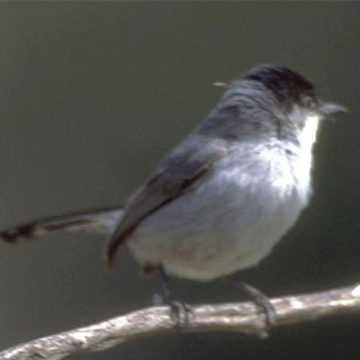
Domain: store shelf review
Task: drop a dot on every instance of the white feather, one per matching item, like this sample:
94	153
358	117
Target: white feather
234	219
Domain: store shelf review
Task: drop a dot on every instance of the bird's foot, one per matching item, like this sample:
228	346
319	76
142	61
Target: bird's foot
180	311
261	301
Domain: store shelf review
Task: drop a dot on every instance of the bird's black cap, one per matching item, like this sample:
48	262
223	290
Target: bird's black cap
287	85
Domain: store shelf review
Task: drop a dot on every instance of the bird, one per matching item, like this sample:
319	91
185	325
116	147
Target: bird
225	196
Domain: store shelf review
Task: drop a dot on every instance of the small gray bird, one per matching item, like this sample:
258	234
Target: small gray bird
222	199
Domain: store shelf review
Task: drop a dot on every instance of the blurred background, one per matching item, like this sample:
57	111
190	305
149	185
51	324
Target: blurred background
91	97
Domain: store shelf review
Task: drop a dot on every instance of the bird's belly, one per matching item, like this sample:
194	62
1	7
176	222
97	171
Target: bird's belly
216	229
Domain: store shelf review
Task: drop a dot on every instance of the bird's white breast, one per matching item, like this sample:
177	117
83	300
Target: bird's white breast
233	219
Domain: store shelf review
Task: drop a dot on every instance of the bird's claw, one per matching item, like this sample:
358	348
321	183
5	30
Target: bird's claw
180	311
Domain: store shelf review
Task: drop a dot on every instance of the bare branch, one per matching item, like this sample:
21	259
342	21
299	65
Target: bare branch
241	317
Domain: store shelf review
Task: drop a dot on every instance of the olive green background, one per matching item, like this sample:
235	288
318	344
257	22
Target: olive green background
91	97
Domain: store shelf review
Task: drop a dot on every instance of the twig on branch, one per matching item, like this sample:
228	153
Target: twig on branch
241	317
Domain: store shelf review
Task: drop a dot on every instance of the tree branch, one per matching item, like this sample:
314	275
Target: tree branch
241	317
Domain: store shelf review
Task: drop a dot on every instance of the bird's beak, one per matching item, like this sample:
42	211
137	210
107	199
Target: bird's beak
328	109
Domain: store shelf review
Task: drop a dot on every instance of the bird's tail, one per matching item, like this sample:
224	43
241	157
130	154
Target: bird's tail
101	221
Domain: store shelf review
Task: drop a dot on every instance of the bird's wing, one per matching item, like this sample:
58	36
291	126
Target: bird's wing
180	173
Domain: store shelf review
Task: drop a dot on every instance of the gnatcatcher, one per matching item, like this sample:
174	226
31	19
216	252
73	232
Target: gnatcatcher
222	199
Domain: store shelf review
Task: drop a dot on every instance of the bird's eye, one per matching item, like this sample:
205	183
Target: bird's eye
309	102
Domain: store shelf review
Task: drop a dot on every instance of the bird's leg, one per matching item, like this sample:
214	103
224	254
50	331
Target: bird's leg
260	299
180	311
